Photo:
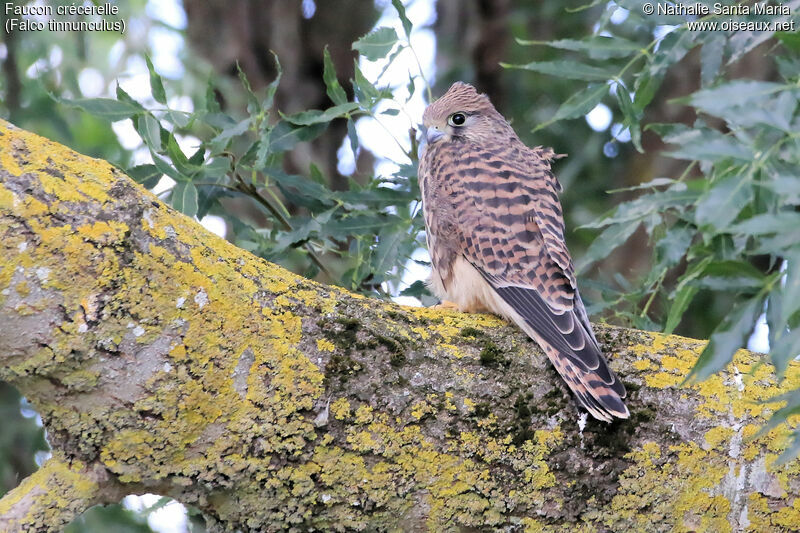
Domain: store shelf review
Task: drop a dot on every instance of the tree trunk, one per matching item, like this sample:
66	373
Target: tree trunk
164	359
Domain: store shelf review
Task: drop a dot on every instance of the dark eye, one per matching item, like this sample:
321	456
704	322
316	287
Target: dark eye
457	119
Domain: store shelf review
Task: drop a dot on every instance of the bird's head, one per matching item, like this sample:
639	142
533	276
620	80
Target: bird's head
462	114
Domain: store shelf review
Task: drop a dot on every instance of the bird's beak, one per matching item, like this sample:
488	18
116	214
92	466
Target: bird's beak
433	133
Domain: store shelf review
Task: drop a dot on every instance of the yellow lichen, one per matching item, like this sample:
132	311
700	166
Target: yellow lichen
324	345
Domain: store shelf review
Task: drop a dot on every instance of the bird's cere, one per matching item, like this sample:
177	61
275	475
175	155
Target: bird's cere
433	133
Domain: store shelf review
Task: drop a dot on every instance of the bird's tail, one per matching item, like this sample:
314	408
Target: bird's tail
598	397
598	390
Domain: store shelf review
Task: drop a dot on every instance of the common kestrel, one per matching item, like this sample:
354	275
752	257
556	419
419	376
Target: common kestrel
496	238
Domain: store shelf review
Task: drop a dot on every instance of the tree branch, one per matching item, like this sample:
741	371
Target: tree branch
163	358
51	497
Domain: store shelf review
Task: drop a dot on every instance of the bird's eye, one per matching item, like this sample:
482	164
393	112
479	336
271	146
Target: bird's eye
457	119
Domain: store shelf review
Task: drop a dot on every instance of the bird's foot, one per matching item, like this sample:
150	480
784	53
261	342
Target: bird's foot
447	305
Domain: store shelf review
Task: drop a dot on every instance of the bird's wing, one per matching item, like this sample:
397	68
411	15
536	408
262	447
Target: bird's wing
511	229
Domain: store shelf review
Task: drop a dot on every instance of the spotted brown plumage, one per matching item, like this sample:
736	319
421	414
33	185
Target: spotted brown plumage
496	238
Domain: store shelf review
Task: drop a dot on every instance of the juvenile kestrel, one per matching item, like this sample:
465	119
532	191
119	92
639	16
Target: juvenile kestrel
496	238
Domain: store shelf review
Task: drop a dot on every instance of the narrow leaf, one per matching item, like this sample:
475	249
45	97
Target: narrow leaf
376	44
731	334
147	175
184	198
107	108
156	86
721	204
679	305
332	86
598	47
401	12
567	69
314	116
632	116
273	86
581	102
612	237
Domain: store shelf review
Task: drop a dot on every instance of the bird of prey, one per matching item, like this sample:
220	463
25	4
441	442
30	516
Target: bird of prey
496	238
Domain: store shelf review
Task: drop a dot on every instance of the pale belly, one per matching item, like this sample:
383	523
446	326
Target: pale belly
468	290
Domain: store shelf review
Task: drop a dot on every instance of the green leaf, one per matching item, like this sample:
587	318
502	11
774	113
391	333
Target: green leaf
792	407
671	49
652	184
359	224
179	159
221	140
416	289
284	136
376	44
298	236
300	190
598	47
611	237
212	104
708	145
156	86
332	86
767	223
632	116
353	136
314	116
785	349
646	86
401	12
107	108
790	40
567	69
711	58
147	175
723	202
730	335
164	167
680	302
253	107
671	248
792	451
273	86
184	198
725	98
729	275
365	92
181	119
149	130
385	256
581	102
741	42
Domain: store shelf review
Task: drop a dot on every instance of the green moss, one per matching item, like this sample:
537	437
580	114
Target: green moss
341	331
491	355
631	387
341	366
469	331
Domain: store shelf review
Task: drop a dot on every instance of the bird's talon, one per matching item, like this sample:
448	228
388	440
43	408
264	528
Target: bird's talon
447	305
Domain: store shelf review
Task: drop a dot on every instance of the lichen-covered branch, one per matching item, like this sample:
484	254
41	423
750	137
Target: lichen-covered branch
164	359
55	494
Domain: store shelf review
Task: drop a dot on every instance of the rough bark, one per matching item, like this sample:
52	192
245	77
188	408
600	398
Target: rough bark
164	359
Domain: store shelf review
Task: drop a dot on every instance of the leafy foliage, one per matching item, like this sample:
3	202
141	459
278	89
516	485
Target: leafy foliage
371	228
728	224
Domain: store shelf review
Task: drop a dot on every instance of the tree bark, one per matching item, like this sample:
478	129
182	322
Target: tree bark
164	359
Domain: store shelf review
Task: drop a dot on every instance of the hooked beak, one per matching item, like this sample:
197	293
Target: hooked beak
433	133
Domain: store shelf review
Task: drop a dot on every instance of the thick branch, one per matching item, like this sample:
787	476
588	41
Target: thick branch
55	494
171	361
